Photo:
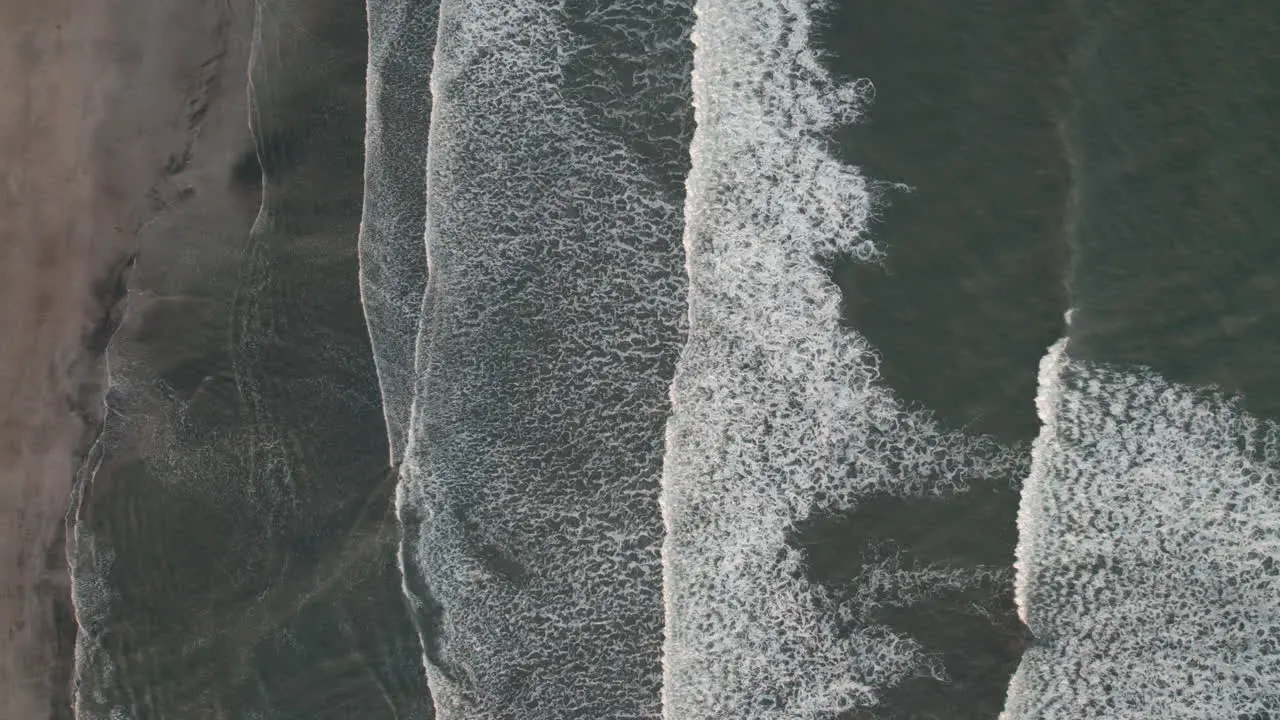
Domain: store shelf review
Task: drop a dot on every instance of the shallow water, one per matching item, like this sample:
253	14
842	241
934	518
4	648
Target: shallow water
233	543
551	321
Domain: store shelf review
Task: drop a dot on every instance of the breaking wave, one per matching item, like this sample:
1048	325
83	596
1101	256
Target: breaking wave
778	412
1146	557
553	315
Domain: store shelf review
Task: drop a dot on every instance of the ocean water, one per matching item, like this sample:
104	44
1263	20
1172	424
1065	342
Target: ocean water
232	540
393	258
553	314
780	415
1146	551
704	359
1146	557
967	294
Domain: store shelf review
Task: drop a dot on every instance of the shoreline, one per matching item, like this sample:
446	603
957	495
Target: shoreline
89	150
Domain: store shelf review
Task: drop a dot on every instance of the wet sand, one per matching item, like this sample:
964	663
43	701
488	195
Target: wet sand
106	102
234	552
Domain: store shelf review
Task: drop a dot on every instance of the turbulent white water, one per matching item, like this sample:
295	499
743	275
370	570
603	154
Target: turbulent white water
553	316
777	410
1146	557
393	265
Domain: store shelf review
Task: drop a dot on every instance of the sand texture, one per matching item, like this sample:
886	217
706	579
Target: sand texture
108	107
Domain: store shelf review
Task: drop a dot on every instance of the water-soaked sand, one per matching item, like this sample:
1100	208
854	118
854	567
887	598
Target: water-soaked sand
101	99
234	547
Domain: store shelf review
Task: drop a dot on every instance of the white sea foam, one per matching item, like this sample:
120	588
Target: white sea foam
392	259
777	410
90	562
1147	566
553	317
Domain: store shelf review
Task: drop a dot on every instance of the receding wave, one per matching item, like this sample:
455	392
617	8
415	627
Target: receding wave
554	312
778	413
393	262
1146	557
231	542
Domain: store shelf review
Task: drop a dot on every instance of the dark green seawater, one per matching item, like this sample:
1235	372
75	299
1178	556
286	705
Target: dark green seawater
967	113
1118	158
1175	223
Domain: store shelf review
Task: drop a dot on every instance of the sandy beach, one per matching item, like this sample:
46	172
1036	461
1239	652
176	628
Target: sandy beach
105	104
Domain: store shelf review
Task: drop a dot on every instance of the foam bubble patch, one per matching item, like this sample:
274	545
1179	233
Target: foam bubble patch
553	318
1147	558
